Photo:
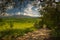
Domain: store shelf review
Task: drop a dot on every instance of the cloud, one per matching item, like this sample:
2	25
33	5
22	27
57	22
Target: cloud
18	13
30	11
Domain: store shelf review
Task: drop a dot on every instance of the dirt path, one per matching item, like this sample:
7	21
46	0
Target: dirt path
41	34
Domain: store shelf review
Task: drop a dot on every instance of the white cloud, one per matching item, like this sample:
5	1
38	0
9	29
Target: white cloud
56	0
18	13
10	7
29	12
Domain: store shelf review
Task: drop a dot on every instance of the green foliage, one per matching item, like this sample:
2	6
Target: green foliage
51	17
1	22
38	24
11	24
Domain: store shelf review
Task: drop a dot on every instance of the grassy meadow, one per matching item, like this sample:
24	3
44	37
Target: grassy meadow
16	26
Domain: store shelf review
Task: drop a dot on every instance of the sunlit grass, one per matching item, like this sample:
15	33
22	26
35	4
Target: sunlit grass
17	27
22	25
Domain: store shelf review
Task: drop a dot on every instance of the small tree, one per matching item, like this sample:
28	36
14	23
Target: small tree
11	24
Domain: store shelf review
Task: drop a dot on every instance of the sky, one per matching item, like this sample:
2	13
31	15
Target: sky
26	8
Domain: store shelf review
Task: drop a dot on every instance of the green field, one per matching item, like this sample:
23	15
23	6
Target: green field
17	23
16	26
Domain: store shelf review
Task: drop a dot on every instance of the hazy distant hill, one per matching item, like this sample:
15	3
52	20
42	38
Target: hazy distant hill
17	16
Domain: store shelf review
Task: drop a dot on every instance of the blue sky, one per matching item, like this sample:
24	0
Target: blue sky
25	8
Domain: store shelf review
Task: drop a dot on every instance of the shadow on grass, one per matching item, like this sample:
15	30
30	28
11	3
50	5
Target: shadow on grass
14	33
